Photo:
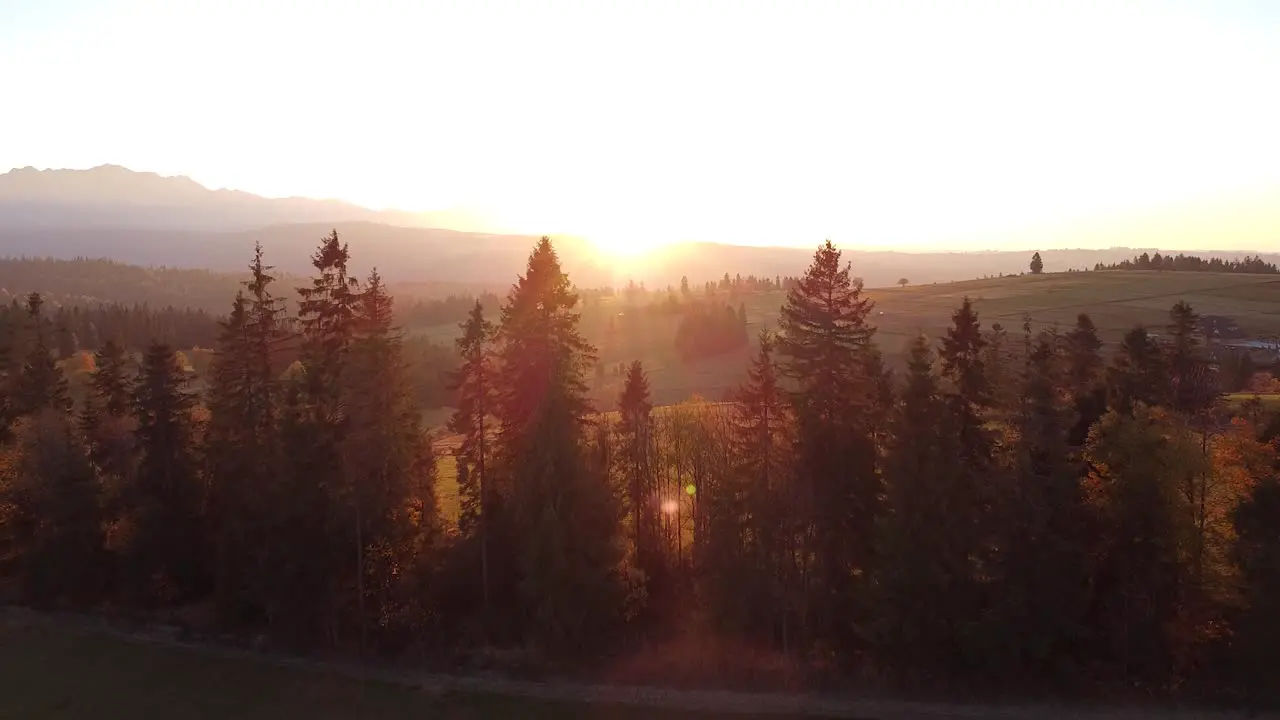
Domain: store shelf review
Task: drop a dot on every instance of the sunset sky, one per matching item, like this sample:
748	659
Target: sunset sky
952	125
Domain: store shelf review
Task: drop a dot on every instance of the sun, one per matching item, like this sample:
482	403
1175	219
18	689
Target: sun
627	245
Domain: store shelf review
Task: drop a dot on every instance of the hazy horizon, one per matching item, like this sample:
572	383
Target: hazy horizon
916	127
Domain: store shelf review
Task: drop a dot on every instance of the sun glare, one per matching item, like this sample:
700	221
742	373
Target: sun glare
623	246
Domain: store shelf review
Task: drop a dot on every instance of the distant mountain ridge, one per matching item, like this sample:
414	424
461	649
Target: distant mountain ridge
115	196
150	220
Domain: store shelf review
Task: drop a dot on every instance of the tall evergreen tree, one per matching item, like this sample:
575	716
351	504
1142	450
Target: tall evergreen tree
1043	564
474	400
635	463
1137	372
385	456
107	424
315	439
327	315
969	528
166	558
41	383
1084	376
473	383
917	568
244	446
566	517
826	351
761	528
52	520
1139	462
1193	386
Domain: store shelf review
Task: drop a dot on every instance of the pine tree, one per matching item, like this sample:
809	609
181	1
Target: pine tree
1139	462
244	445
327	314
473	384
999	366
971	497
53	514
826	351
167	559
1193	386
1084	377
315	437
383	459
635	468
917	568
41	383
565	516
1037	265
1137	373
1043	565
760	547
107	424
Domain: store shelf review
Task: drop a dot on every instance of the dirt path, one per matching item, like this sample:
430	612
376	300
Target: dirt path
657	698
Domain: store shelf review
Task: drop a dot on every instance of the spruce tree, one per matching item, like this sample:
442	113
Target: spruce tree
473	384
41	383
167	559
972	493
107	424
1137	373
825	350
327	315
565	516
53	514
1043	565
1193	386
1084	377
326	529
383	458
760	555
1140	461
915	623
243	443
635	465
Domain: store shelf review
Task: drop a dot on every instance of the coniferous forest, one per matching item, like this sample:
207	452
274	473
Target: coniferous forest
1056	518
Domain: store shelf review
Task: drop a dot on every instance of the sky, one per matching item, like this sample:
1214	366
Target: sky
909	125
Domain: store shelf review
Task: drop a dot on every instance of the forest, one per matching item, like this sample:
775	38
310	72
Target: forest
1051	519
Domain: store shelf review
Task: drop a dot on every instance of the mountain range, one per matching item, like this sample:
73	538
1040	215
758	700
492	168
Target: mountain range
148	219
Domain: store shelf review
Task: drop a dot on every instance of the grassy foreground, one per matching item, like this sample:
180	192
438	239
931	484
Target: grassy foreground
48	673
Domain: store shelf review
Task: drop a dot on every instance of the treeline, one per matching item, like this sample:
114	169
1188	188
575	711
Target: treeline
86	281
706	330
1191	263
636	293
75	328
1052	519
441	311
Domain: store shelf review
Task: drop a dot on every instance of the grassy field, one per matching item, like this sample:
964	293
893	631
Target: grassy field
50	674
1115	300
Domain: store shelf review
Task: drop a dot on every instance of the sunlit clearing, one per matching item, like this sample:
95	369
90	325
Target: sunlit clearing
670	507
